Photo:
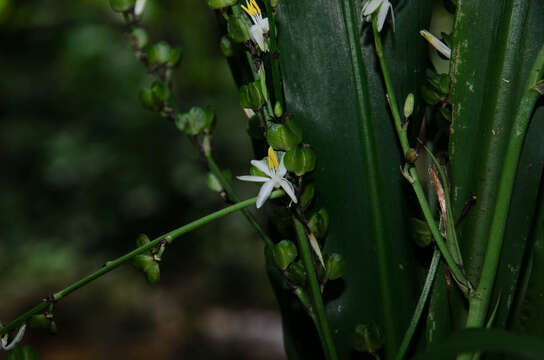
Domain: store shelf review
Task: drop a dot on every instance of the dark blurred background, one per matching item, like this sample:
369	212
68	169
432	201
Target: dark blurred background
84	170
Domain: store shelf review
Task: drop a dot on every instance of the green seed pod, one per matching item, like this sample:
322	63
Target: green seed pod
300	160
282	137
238	29
278	109
196	120
149	100
274	3
174	57
409	105
285	252
411	156
307	195
142	240
140	37
122	5
160	91
368	338
159	53
39	321
296	273
430	96
226	46
420	232
146	264
251	96
220	4
335	266
319	223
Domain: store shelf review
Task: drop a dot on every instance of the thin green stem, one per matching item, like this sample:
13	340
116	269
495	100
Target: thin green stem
274	55
234	197
479	303
267	112
414	178
110	265
317	300
420	305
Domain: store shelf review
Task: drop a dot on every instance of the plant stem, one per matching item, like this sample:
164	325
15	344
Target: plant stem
317	301
110	265
420	305
479	303
274	55
414	178
234	197
257	77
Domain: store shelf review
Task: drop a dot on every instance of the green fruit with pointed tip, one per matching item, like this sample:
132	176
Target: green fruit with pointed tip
283	136
300	160
220	4
196	120
160	91
307	195
122	5
149	100
251	96
409	105
319	223
335	266
296	273
278	109
368	338
238	29
159	53
285	252
39	321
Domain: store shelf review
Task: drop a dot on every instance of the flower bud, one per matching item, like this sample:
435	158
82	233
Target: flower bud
411	156
300	160
251	96
296	273
368	338
335	267
238	29
39	321
140	37
420	232
409	105
307	195
213	181
122	5
220	4
278	109
285	252
319	223
149	100
159	53
226	46
160	91
284	136
196	120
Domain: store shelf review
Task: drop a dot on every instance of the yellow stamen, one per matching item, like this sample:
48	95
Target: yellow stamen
251	8
272	159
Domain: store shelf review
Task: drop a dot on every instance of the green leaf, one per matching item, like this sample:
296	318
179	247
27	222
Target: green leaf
495	44
492	340
335	94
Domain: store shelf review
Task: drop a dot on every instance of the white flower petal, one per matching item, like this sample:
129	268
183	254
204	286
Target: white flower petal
17	338
282	170
264	193
257	35
139	7
262	166
392	16
437	44
382	15
371	6
253	178
264	25
249	113
288	187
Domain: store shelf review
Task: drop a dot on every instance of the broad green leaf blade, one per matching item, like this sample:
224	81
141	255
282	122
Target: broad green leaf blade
334	91
495	43
491	340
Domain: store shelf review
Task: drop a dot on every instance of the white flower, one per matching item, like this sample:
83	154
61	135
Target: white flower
371	6
4	339
260	25
139	7
275	177
437	44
